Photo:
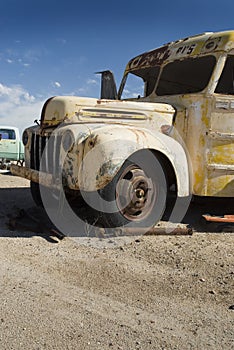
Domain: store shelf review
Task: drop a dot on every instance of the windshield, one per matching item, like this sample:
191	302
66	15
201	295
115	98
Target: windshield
189	75
141	82
226	81
7	134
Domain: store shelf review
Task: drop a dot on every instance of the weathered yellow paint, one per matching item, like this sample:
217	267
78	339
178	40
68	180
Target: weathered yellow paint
204	121
191	46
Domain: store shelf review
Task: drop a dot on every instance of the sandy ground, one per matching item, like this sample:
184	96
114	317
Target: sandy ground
155	292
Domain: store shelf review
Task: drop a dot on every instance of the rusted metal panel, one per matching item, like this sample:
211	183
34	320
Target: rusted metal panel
44	179
72	109
191	46
225	218
208	138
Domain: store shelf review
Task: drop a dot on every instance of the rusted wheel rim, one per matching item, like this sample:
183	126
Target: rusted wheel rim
135	194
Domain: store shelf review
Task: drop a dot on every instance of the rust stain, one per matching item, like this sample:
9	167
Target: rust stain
225	218
92	141
155	57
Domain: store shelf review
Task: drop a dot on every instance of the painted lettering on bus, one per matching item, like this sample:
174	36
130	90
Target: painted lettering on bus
185	50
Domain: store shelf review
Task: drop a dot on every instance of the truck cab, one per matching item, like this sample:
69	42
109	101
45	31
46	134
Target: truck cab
11	147
169	127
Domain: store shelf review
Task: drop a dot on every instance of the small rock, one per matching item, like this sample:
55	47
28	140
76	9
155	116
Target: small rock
212	292
231	307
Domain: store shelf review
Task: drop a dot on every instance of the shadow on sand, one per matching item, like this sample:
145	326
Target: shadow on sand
19	217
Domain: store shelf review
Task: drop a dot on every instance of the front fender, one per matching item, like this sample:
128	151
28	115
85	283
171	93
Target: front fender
105	151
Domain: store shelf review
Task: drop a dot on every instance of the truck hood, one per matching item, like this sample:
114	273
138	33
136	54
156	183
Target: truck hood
72	109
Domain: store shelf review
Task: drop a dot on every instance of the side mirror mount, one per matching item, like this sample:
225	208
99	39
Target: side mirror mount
108	85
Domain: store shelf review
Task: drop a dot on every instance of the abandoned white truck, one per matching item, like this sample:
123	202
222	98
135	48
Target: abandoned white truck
176	133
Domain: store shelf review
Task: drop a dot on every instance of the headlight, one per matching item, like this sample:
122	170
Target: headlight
68	141
166	129
25	137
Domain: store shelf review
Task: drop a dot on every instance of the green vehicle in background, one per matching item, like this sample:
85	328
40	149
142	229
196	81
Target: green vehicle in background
11	147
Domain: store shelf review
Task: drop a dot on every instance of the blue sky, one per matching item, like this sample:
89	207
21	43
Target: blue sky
54	47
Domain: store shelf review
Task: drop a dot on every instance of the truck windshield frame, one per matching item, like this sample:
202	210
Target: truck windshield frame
177	77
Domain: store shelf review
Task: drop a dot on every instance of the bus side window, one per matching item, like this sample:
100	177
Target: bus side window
226	80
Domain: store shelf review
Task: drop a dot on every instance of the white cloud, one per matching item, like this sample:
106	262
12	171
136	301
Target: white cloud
89	89
92	82
18	107
81	90
57	84
16	94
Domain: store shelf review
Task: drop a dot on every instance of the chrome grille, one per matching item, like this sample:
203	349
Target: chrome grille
45	152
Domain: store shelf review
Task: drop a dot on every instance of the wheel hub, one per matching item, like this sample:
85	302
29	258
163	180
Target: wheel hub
140	193
135	194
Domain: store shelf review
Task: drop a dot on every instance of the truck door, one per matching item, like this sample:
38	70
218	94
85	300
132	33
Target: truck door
221	134
9	145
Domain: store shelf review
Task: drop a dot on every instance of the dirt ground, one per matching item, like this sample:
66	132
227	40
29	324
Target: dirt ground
154	292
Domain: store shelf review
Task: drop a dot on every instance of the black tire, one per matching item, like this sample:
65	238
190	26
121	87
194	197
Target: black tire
137	195
49	196
35	192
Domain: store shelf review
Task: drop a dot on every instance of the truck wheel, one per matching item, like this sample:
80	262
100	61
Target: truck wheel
137	195
35	192
52	199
